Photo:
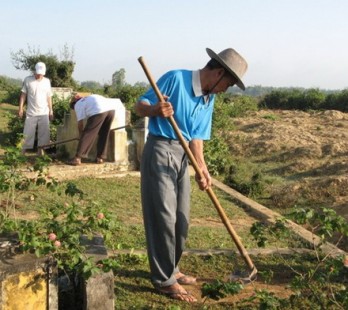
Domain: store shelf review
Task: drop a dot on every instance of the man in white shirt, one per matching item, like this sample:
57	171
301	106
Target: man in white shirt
37	91
99	112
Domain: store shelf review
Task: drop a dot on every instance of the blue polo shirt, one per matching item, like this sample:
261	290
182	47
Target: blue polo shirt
192	111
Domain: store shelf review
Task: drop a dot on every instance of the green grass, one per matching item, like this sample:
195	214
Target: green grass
133	289
120	197
5	108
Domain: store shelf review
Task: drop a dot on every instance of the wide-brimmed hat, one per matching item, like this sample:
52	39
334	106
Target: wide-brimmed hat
234	63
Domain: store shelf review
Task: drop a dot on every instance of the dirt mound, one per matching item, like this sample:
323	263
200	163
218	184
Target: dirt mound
310	149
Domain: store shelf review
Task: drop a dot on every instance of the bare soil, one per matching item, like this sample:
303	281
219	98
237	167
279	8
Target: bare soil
308	150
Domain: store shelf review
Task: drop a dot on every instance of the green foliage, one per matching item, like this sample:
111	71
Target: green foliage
60	107
266	300
12	181
271	117
337	101
128	95
322	284
9	90
265	234
219	289
230	106
305	99
119	78
93	86
15	127
216	153
12	96
58	71
216	150
247	182
58	230
323	222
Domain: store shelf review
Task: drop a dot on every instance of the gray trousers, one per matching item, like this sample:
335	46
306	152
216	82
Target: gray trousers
42	124
165	192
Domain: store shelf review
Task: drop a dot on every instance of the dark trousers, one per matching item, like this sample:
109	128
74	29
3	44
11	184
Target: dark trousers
97	126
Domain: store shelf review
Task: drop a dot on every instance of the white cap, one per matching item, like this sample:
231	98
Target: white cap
40	68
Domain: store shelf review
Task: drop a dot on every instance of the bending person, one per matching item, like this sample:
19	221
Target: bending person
99	112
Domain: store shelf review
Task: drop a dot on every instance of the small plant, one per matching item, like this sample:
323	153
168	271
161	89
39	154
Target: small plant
265	300
276	231
322	281
271	117
219	289
249	185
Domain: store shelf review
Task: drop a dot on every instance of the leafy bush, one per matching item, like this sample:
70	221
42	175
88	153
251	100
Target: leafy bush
59	71
307	99
128	95
15	127
57	232
217	157
337	101
216	150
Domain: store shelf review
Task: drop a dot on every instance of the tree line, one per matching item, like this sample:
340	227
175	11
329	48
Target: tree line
60	70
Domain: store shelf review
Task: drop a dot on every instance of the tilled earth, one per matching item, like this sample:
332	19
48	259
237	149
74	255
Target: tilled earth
309	150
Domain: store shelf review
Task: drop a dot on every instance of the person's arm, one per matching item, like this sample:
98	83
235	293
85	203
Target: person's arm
196	147
22	98
50	108
161	109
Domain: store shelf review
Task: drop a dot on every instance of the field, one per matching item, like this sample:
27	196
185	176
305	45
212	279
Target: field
302	156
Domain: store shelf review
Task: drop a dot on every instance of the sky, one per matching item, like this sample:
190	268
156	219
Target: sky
287	43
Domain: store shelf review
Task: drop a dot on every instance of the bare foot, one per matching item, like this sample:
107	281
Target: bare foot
184	279
176	291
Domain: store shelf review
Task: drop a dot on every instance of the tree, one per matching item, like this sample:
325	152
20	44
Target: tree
59	71
91	85
119	78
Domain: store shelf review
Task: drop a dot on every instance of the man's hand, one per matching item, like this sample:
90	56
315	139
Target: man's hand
20	112
204	180
50	116
162	109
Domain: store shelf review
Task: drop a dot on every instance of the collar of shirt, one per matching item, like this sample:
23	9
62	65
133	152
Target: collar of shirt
196	85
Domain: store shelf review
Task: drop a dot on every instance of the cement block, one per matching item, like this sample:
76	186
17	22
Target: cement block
98	290
25	281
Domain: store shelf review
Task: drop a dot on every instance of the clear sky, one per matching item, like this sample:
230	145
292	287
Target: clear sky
299	43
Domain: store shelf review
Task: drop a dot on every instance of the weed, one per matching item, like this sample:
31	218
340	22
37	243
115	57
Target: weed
271	117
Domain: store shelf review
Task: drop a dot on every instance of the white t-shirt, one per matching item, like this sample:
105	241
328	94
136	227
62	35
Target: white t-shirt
38	92
95	104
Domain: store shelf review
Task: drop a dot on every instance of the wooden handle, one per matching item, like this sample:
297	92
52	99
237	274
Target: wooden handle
194	163
46	146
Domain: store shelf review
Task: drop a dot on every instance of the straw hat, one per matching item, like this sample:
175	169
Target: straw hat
234	63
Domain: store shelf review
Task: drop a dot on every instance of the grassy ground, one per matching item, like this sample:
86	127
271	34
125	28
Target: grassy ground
4	109
120	197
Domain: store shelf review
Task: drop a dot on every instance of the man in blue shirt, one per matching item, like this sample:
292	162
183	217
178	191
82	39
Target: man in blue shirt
165	182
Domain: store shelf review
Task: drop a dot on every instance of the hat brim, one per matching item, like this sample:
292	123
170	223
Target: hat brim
215	56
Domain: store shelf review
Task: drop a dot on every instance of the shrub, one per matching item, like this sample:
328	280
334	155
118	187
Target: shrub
57	232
